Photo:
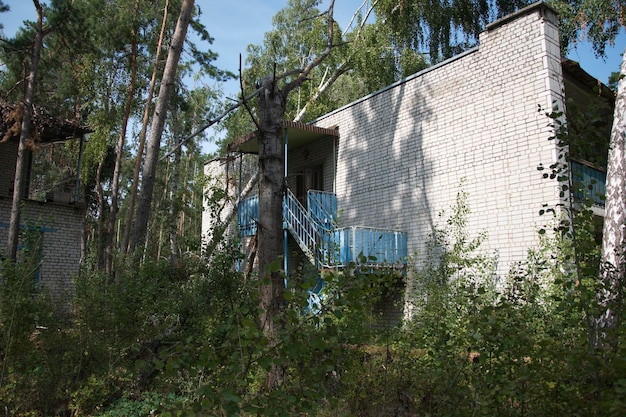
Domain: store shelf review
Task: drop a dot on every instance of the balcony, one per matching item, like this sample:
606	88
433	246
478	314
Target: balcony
325	244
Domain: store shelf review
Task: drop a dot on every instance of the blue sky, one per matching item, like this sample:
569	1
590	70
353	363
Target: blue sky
236	23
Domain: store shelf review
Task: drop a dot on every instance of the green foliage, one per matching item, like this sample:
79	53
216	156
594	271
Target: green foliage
475	346
597	21
230	366
444	28
31	343
190	343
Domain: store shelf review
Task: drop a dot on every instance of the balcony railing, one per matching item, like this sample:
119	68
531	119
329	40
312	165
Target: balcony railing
589	183
248	216
315	231
364	247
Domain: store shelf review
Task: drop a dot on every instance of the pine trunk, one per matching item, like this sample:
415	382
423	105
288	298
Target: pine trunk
22	152
158	122
119	151
271	109
142	138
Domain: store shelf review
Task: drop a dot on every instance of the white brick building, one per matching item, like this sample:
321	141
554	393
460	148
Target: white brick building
401	153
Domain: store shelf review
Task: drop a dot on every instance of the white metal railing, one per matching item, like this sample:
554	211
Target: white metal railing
303	228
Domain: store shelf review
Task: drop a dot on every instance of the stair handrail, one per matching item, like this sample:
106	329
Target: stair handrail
301	225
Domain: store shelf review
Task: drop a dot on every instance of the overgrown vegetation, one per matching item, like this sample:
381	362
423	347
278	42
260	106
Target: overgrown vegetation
191	344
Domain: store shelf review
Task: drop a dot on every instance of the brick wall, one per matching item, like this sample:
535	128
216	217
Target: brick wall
316	154
404	150
225	175
61	228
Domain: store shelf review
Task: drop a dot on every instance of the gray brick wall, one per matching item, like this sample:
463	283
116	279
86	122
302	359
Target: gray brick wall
61	228
403	151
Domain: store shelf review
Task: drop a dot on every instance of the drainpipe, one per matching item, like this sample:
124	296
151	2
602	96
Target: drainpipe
334	164
285	237
239	197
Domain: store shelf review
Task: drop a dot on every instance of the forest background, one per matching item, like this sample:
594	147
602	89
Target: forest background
176	331
254	18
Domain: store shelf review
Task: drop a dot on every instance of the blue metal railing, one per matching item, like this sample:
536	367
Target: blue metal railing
367	247
324	244
248	216
322	207
589	183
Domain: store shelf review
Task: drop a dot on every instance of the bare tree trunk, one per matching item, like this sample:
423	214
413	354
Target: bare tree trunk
154	222
158	122
271	107
22	152
614	234
182	220
142	137
174	206
119	152
271	110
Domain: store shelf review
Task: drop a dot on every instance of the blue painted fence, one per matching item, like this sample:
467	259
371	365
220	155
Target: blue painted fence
326	245
364	247
248	215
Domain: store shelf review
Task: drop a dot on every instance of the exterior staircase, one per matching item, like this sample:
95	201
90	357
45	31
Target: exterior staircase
325	245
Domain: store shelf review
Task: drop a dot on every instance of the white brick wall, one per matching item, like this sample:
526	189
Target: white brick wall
224	176
403	151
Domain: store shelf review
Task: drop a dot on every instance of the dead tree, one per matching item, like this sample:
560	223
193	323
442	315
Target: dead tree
271	102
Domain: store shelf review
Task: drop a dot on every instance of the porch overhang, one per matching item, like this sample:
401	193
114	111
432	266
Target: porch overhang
299	134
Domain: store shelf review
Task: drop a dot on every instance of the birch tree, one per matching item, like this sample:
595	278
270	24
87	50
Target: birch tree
613	261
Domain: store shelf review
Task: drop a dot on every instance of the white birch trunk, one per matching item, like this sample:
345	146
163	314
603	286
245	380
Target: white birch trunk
613	238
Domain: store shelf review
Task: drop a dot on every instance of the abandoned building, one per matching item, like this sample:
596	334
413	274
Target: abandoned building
372	178
52	217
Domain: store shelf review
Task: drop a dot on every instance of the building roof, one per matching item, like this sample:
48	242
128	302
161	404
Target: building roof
587	81
45	129
296	133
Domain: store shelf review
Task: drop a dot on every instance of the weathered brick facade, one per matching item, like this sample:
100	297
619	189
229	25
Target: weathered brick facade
60	227
403	151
